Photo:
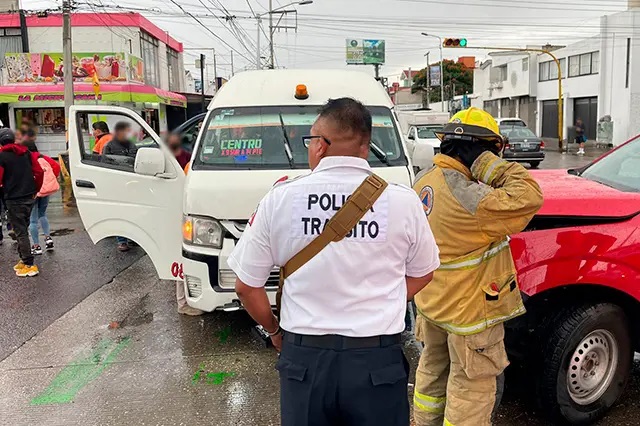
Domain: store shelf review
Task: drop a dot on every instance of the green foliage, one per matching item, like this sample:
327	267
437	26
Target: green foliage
454	73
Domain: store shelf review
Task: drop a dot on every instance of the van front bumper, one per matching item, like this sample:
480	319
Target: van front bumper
210	283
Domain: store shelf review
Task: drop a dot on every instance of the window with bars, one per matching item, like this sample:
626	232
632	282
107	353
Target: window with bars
149	48
173	66
585	64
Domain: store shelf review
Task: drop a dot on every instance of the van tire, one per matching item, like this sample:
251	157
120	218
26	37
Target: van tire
534	164
586	340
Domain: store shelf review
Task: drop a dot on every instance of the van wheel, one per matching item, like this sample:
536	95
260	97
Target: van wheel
534	164
588	357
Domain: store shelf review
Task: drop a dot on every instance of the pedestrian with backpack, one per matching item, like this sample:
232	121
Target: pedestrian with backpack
50	186
21	177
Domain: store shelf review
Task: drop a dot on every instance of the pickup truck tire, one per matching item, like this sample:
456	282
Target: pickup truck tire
534	164
587	360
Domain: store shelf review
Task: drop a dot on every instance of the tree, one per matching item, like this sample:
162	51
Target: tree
455	74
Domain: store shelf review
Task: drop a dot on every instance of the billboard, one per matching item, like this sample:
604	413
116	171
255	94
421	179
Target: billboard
365	52
48	67
434	75
136	69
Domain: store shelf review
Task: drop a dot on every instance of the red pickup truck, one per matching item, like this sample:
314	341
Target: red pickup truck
579	270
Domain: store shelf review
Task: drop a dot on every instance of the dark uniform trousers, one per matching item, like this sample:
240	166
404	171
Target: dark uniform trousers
338	381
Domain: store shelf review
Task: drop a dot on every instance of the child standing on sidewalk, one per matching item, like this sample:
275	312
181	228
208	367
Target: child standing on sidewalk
21	177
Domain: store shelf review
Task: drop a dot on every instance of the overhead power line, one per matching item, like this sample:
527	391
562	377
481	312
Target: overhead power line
209	30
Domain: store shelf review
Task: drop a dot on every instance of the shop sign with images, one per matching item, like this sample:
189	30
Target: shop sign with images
49	67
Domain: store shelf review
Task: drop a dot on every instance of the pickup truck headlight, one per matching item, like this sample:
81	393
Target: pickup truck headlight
202	231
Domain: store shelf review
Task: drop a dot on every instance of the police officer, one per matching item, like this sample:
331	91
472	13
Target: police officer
343	311
474	200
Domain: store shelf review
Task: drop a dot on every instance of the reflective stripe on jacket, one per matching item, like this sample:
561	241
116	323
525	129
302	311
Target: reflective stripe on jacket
472	213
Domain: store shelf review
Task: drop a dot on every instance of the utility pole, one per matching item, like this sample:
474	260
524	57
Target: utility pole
215	71
258	54
67	59
271	50
232	72
202	64
428	77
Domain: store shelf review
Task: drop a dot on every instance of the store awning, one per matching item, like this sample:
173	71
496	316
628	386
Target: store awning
111	92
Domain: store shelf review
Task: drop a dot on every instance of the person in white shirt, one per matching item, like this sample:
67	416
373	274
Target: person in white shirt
342	312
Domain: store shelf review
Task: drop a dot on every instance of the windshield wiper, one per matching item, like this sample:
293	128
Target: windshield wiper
379	153
287	144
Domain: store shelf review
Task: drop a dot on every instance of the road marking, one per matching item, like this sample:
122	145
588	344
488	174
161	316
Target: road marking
80	372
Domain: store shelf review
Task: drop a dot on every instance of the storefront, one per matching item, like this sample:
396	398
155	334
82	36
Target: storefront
42	105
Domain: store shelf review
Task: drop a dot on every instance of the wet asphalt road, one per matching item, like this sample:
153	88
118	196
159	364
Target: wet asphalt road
115	352
73	271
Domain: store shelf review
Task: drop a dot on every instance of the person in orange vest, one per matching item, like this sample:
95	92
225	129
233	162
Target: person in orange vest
474	200
102	135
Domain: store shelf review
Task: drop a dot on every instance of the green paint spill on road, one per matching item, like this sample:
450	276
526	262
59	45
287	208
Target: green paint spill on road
224	334
217	378
196	376
79	373
211	378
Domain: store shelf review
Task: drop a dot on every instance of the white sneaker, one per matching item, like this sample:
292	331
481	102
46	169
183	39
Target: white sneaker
188	310
581	152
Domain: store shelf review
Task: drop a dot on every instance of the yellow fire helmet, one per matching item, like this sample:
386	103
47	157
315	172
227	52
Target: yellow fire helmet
473	124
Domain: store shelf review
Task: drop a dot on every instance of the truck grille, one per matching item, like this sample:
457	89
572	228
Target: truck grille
194	286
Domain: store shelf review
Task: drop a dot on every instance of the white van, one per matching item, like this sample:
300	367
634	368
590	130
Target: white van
251	138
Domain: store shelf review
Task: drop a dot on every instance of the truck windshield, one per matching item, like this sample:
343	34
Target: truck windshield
428	132
620	169
256	138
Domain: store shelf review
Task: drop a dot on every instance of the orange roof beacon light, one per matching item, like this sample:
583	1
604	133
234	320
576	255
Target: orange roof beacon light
301	92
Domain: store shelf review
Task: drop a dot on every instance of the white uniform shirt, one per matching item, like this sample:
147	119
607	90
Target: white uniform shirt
355	287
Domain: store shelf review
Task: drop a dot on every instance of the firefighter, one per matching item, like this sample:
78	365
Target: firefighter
474	200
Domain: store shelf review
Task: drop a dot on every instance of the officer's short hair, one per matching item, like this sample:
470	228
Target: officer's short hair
348	115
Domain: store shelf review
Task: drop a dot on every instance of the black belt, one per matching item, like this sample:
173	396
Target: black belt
337	342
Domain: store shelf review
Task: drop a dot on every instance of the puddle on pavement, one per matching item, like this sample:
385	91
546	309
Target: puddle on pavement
62	232
139	315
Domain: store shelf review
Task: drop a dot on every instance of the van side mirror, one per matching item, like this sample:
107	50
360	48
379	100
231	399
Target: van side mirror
423	156
149	162
411	136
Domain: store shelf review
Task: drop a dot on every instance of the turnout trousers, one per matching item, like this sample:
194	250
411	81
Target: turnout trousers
322	386
459	380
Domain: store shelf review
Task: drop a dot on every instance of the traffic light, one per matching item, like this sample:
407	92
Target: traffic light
454	42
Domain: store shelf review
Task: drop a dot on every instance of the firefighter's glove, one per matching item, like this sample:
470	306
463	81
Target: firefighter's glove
469	152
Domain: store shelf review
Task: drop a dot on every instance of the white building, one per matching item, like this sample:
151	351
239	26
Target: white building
506	85
600	77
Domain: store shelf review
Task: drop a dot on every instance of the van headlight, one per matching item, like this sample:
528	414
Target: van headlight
202	231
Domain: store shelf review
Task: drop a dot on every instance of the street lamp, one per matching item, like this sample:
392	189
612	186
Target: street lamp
270	13
441	68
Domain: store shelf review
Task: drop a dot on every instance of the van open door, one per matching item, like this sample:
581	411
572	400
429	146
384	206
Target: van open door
135	192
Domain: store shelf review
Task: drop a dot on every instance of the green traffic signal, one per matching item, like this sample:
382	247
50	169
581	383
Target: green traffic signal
463	42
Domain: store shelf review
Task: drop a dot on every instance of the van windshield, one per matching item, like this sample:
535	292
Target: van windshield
257	138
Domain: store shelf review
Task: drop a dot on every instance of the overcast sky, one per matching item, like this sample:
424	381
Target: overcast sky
324	25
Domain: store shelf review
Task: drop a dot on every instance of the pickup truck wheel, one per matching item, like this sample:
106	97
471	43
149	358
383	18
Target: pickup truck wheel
534	164
588	357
